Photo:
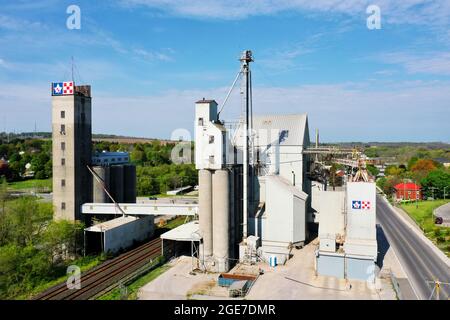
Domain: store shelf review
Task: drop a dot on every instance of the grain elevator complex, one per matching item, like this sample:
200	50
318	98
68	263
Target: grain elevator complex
258	200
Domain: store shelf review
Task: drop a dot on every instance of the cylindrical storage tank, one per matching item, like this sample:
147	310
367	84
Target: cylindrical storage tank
116	182
205	211
98	192
232	240
221	218
129	184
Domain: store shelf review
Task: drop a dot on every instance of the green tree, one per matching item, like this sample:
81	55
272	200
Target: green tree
435	182
137	156
373	170
38	164
412	162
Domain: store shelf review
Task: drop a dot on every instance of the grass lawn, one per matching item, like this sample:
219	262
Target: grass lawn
178	221
133	287
32	184
423	216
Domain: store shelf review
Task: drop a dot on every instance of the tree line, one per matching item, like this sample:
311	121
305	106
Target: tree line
19	152
432	176
34	249
155	171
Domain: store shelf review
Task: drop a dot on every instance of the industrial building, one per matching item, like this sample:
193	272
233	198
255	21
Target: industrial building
254	197
347	231
72	149
81	176
257	199
118	234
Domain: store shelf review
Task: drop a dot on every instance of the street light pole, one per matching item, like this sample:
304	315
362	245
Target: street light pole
432	190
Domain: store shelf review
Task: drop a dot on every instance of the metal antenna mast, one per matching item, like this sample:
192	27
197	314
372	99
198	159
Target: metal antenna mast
246	58
72	70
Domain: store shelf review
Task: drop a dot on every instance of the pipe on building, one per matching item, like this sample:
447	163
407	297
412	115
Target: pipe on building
221	219
205	211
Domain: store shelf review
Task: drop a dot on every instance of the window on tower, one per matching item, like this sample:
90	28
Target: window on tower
63	114
63	146
63	206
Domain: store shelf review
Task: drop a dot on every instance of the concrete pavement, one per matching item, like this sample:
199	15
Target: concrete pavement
444	213
421	263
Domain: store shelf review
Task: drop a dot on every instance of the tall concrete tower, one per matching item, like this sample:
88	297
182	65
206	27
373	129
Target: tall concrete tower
72	149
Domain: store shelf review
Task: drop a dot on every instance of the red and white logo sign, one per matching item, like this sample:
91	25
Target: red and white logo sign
68	88
365	205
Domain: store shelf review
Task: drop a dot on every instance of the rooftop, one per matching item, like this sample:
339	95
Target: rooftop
206	101
111	224
186	232
408	186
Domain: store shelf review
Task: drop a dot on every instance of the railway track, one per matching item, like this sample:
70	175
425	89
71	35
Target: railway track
102	277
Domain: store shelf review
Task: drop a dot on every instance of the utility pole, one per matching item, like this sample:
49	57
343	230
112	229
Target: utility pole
432	190
437	288
246	58
72	70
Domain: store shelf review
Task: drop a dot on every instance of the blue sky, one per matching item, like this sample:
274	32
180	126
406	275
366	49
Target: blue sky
148	61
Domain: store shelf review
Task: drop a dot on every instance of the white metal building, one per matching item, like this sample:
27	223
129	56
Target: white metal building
347	232
281	189
120	233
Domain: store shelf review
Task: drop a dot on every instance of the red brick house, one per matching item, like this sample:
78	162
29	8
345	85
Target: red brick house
408	191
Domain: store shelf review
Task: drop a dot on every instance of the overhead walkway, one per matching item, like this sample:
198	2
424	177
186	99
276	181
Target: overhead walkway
140	209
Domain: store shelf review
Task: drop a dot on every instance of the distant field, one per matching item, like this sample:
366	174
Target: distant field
38	185
423	216
126	140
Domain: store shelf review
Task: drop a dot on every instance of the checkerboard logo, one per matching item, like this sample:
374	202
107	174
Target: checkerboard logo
365	205
68	88
63	88
360	205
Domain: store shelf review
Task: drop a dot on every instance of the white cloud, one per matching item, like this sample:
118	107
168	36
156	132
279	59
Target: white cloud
393	11
407	111
437	63
416	111
14	24
151	56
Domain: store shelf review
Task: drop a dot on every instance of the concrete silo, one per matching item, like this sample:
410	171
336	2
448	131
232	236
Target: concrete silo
116	183
129	184
205	211
99	194
221	219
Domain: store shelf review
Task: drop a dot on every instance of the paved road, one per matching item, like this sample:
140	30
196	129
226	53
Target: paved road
419	261
444	212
